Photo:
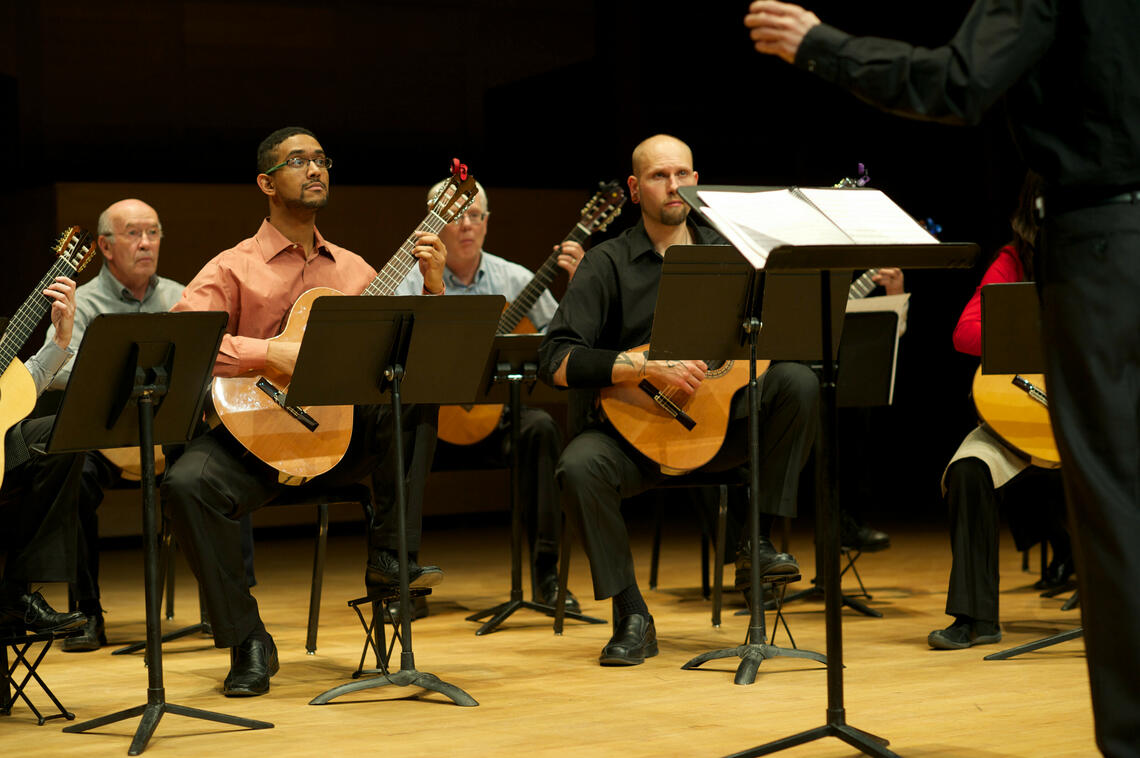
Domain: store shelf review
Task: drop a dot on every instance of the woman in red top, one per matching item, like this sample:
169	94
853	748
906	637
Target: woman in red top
986	477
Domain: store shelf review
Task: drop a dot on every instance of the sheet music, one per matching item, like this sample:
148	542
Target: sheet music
868	216
758	222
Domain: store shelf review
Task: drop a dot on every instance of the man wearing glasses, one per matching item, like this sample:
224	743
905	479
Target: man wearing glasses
471	270
130	235
215	481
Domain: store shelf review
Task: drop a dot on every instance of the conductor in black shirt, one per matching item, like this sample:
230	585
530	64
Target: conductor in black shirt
608	309
1070	74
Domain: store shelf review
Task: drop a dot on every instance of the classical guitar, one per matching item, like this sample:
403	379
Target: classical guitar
679	435
468	424
1016	408
73	249
304	441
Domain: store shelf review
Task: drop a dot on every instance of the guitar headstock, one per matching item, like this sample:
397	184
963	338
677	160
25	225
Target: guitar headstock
456	195
603	207
76	246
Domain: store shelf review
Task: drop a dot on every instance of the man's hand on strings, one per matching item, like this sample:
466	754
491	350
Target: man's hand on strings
891	279
570	254
432	255
61	292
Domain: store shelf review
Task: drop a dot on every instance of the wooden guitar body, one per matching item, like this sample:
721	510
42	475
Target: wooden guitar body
269	431
1022	422
469	424
661	437
17	399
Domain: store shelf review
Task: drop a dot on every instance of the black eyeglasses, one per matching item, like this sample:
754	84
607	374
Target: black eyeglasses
301	161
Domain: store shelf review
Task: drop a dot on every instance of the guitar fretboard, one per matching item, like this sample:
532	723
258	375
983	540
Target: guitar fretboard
539	284
397	268
21	325
863	285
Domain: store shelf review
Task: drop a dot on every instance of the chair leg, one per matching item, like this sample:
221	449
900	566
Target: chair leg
563	576
706	591
718	560
655	555
319	553
168	569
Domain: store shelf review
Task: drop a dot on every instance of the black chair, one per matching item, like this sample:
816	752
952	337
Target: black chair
718	538
348	494
720	480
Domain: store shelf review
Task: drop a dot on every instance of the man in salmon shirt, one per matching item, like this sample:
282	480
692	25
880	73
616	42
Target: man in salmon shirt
216	481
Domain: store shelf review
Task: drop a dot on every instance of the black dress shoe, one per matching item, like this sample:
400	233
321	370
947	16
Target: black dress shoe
547	594
634	640
30	612
419	610
251	664
92	637
856	536
1058	573
964	633
772	563
383	572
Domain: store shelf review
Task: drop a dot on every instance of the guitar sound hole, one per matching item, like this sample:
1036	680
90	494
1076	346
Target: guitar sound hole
717	368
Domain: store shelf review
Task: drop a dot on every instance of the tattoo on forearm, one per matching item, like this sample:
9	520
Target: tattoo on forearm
623	359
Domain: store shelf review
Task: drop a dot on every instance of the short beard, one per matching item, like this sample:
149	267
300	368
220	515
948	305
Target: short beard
674	216
313	205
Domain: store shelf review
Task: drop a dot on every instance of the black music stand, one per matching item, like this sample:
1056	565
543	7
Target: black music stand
819	261
360	350
730	294
865	379
1011	344
161	363
513	362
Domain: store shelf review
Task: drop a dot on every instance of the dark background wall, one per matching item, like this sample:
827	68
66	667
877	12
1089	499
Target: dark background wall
542	99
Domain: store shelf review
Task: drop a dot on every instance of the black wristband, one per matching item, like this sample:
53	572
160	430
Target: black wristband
591	367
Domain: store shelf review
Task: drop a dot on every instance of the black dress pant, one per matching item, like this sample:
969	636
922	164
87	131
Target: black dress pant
215	482
39	497
1089	280
598	469
1032	503
540	443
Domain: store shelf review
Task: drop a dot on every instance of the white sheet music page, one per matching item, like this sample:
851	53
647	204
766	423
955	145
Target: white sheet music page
868	216
757	222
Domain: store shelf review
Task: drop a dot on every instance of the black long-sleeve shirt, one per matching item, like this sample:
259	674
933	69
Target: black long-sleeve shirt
1070	70
608	306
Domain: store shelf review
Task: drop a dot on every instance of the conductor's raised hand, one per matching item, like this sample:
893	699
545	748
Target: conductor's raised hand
778	28
432	255
61	292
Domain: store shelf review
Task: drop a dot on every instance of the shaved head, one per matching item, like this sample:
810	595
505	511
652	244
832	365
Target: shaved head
650	148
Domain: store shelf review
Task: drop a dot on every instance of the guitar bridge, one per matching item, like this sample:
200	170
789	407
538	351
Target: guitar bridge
667	405
278	397
1031	389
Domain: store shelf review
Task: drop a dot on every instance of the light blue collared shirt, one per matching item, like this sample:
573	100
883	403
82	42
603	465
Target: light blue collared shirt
495	276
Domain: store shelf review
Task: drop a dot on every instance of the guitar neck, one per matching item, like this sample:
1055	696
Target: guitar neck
539	284
21	325
863	285
398	266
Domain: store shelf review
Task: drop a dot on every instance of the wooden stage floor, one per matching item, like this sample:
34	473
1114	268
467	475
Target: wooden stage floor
546	695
